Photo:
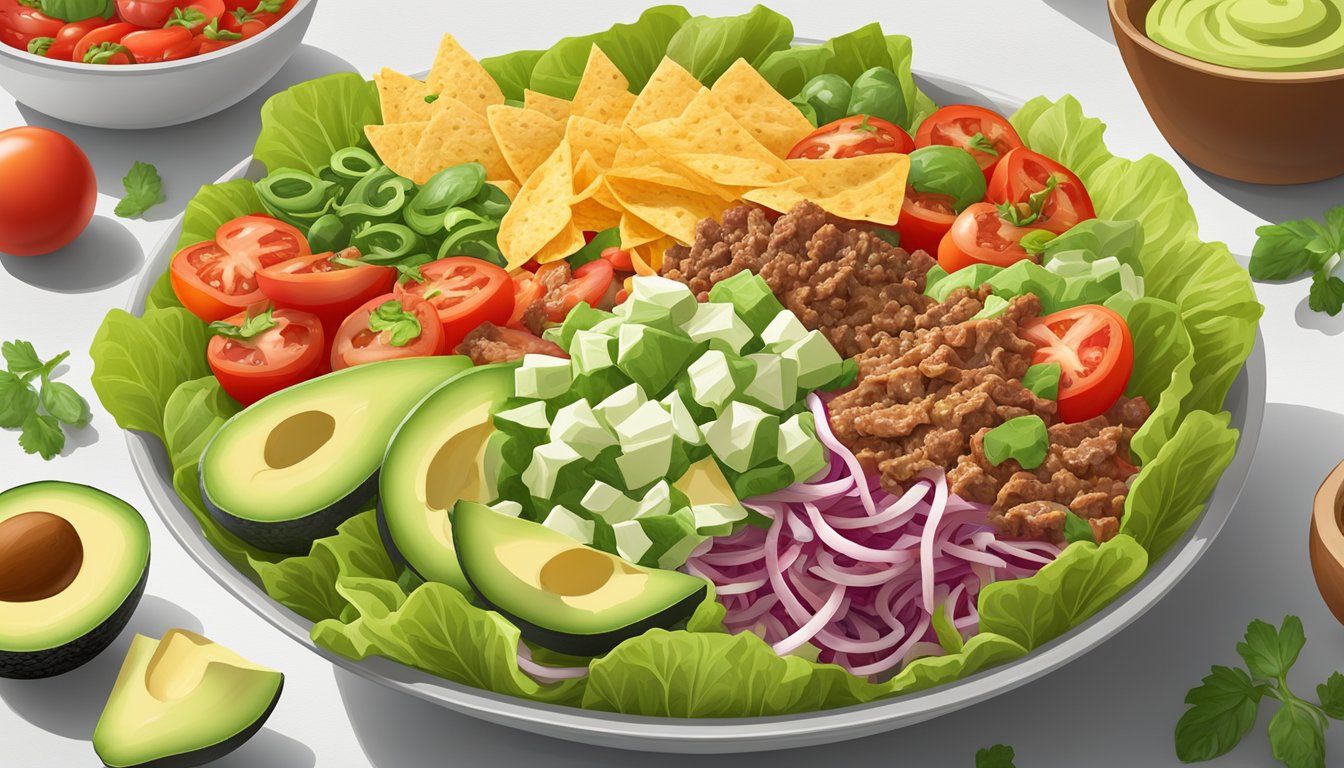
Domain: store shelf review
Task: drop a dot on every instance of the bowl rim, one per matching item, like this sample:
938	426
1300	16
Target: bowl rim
1325	513
1120	20
130	70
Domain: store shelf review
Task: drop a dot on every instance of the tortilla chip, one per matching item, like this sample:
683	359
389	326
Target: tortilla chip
508	186
553	107
604	93
395	145
708	141
565	244
637	160
671	210
587	174
457	135
771	118
457	74
525	137
667	94
636	231
540	211
402	97
648	258
864	188
598	140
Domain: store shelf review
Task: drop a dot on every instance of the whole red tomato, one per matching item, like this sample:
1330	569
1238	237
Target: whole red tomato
47	191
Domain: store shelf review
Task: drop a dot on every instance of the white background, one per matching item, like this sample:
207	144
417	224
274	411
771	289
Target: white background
1115	707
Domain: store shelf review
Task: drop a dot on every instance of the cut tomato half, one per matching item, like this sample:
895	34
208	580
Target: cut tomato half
1095	353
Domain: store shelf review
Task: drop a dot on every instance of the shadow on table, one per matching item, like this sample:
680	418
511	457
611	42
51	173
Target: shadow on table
269	749
104	255
1276	203
190	155
69	705
1092	15
1126	695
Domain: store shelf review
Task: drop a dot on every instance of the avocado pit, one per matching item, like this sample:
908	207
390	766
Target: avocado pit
576	572
298	437
40	555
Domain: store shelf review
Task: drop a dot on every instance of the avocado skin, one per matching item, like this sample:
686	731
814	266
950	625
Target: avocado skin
594	645
31	665
293	537
385	534
214	751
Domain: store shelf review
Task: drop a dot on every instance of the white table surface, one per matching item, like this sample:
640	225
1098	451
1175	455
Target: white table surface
1115	707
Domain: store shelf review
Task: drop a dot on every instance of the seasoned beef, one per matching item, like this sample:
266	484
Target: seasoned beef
489	343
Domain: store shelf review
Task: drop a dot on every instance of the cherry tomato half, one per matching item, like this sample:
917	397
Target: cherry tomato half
109	33
981	236
63	47
852	137
1022	173
317	284
47	191
247	23
286	354
21	23
986	134
151	45
216	279
356	343
465	292
147	14
925	219
1095	353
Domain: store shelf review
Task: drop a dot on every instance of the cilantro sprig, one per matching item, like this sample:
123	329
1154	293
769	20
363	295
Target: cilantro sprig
981	143
40	411
144	190
1223	707
1305	246
997	756
402	326
253	325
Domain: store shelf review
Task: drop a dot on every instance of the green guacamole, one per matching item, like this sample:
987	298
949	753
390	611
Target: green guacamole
1265	35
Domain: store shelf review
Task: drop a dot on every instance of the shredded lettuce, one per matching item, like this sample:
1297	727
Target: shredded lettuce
303	125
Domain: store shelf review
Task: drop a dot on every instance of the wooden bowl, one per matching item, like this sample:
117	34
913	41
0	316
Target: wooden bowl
1261	127
1327	541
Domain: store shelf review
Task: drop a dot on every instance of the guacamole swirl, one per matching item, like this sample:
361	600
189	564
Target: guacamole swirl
1264	35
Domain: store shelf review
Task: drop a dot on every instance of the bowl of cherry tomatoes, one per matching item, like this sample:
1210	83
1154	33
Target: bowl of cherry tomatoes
136	64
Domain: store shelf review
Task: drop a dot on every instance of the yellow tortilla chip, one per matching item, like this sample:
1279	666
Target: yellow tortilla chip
565	244
456	74
648	257
599	140
708	141
525	137
604	93
457	135
395	145
553	107
636	231
667	94
865	188
587	174
637	160
541	210
508	186
760	109
671	210
402	97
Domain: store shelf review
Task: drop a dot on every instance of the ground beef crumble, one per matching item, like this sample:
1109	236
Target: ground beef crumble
932	380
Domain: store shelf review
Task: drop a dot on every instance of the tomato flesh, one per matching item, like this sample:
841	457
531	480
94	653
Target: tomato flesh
217	279
526	292
151	45
925	219
1095	353
356	343
287	354
465	292
319	285
1023	173
958	125
853	137
981	236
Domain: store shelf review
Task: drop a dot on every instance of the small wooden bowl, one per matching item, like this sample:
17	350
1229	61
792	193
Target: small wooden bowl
1327	541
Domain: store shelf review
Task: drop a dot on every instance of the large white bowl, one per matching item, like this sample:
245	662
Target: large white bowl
153	95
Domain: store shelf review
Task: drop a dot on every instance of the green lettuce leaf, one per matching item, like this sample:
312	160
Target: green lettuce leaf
1163	360
302	126
1169	494
982	651
1083	579
139	361
707	46
435	630
162	295
307	585
513	72
215	204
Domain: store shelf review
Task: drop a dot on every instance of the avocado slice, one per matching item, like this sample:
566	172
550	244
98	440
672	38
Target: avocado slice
73	564
561	594
436	459
295	465
183	701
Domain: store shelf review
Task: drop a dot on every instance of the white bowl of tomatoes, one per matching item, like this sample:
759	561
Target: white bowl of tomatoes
135	64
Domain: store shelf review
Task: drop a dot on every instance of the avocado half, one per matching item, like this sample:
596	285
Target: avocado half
73	565
183	701
561	594
295	465
436	459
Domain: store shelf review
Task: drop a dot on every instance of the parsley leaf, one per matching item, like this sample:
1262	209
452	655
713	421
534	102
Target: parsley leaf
390	316
17	400
1222	711
63	402
1331	694
1327	293
1269	653
1078	529
42	435
1296	736
21	357
144	190
39	415
997	756
1284	251
980	143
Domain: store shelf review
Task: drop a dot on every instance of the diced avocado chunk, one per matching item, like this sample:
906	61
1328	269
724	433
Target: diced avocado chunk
648	423
547	462
580	318
994	306
577	426
609	326
631	541
609	503
646	462
542	377
799	448
784	330
618	406
1043	379
744	436
564	521
555	334
717	519
651	357
590	351
506	507
751	298
683	423
1024	439
528	421
718	324
658	301
657	501
715	377
775	385
818	362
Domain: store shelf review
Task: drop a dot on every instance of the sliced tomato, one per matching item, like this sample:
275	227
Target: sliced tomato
1022	173
356	343
620	259
1095	354
287	354
151	45
986	134
108	33
588	285
465	292
925	219
852	137
318	284
526	292
981	236
216	279
63	47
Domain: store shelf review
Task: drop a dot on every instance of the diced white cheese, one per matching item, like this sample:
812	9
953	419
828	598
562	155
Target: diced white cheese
509	508
578	427
733	435
784	330
673	298
718	321
657	501
529	416
799	449
542	377
711	380
775	384
591	351
544	470
650	422
619	405
817	360
570	524
683	423
631	541
609	503
645	462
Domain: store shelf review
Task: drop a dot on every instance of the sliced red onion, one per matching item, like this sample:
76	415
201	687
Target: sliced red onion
543	673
